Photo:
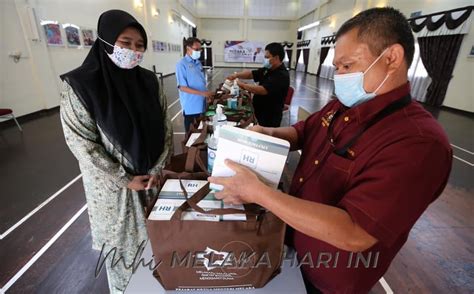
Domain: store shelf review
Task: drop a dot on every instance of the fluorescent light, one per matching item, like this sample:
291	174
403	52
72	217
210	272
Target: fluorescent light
311	25
69	25
188	21
45	22
138	4
155	12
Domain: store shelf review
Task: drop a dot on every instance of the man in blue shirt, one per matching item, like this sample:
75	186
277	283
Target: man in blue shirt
191	83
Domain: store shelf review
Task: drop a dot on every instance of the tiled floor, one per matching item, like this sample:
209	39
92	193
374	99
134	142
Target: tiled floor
35	167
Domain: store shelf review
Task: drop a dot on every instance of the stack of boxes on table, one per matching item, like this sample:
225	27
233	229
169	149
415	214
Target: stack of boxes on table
225	123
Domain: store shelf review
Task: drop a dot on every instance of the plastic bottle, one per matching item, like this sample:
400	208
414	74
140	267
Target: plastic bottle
221	117
235	89
218	120
212	150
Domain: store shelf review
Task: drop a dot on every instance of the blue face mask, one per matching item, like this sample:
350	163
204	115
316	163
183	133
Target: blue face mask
266	63
349	87
196	54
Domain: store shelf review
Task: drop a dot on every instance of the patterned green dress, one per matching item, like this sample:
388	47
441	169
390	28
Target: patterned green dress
115	212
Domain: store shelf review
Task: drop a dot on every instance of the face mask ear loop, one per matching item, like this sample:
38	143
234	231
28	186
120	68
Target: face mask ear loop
105	41
375	61
381	84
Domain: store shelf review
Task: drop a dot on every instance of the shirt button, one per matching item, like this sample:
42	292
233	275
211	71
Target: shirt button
316	162
301	180
346	118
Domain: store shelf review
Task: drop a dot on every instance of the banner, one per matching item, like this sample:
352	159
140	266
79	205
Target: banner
244	51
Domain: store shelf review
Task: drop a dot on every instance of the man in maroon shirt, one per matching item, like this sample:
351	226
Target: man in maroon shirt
372	161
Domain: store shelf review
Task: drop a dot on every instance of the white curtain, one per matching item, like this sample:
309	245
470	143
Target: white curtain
418	76
327	69
300	64
286	60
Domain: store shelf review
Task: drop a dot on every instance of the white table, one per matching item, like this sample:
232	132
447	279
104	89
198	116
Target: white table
289	280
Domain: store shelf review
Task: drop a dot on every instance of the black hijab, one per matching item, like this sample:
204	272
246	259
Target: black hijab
125	103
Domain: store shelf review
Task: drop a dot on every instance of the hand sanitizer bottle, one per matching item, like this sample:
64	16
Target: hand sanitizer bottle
235	89
218	120
221	117
211	151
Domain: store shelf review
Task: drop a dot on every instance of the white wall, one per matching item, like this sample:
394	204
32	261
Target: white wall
33	83
218	30
460	93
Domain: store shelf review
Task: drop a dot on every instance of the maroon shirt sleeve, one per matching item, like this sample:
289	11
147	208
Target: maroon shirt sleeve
299	127
396	186
311	124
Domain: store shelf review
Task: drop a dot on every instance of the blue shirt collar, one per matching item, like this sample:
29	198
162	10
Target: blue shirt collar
189	59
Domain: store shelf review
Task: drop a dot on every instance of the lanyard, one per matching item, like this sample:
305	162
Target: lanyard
388	110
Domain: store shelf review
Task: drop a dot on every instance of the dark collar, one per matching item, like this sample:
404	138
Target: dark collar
281	67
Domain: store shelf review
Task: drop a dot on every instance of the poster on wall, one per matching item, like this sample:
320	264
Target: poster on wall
88	37
244	51
53	34
159	46
72	36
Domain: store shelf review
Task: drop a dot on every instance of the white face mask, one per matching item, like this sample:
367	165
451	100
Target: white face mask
195	54
266	63
349	87
123	57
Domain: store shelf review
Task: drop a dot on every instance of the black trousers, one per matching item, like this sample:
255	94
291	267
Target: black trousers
268	119
189	119
268	115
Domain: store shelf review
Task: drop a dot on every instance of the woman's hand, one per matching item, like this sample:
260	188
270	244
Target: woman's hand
243	187
152	182
139	182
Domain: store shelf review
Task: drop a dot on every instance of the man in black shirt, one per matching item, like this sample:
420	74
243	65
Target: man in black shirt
269	94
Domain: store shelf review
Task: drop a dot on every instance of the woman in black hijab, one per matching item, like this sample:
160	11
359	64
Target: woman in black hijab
115	122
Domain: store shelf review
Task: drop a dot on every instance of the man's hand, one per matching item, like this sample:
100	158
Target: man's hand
232	77
259	129
241	84
139	182
208	94
243	187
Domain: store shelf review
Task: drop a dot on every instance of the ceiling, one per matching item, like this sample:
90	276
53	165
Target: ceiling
257	9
